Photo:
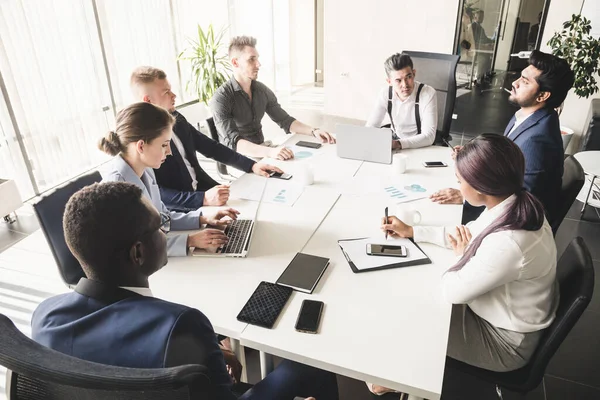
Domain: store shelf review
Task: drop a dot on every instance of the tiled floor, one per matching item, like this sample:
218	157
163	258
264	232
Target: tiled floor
574	373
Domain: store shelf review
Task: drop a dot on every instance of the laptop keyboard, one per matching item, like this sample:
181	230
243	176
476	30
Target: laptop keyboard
237	232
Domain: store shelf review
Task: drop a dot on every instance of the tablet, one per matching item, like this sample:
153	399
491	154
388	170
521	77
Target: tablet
303	272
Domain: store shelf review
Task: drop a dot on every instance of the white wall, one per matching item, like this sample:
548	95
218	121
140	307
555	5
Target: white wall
302	41
576	113
359	37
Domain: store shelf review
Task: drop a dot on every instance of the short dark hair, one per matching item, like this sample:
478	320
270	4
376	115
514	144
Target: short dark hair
101	222
556	77
397	62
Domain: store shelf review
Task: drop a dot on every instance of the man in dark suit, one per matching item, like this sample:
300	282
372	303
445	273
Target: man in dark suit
535	128
112	318
184	185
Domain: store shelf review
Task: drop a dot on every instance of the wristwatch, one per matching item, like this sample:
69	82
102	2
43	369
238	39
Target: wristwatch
313	131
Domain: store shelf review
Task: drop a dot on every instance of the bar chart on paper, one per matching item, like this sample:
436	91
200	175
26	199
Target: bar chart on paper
402	194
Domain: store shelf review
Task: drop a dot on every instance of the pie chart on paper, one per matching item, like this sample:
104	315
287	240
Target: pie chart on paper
302	154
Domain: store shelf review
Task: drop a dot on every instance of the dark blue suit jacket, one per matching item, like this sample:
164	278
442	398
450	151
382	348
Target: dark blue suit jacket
114	326
540	141
174	178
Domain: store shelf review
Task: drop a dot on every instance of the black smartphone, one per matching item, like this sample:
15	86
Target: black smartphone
309	316
433	164
279	175
312	145
386	250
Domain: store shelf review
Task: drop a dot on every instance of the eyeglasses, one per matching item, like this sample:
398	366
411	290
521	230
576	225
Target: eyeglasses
165	223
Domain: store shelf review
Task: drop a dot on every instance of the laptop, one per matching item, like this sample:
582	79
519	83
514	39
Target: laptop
239	232
365	144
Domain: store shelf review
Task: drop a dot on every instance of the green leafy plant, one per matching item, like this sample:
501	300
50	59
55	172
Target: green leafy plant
209	64
581	50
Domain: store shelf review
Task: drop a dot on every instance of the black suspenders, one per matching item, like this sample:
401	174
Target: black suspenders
417	113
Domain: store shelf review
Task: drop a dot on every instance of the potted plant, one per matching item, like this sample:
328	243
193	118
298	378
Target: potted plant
209	64
582	51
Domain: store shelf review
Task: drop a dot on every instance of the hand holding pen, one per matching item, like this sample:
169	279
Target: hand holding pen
454	149
386	221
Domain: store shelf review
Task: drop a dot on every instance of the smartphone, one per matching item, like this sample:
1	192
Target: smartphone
433	164
386	250
279	175
312	145
309	316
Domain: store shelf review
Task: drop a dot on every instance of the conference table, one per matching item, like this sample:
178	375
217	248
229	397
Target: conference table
387	327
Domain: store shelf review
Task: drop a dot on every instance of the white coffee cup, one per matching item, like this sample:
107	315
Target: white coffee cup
305	176
399	162
408	216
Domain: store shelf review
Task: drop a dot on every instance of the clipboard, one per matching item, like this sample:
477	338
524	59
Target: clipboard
400	264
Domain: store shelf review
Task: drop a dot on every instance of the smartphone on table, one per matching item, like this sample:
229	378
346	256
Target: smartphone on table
386	250
311	145
279	175
434	164
309	316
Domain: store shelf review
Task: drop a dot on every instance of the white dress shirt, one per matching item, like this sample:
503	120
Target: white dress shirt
403	113
519	119
179	145
510	281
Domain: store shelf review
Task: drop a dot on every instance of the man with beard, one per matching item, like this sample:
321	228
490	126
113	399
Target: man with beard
535	128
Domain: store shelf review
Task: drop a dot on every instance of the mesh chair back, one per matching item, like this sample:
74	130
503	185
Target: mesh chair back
572	181
438	71
49	211
37	372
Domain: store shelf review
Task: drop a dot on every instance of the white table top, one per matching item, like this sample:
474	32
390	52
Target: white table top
388	327
590	161
220	286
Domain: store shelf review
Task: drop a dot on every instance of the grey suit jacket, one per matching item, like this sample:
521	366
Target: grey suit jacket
118	170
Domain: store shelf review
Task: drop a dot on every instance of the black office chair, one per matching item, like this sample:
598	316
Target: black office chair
572	181
36	372
438	71
214	134
575	274
49	211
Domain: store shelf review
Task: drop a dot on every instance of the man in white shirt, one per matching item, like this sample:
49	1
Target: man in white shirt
410	105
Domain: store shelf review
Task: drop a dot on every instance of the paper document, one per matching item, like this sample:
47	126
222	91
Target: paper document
248	187
405	193
278	191
356	251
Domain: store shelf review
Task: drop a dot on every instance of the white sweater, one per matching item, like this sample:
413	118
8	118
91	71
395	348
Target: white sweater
510	281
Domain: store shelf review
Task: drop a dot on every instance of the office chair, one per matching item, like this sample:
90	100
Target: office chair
49	211
572	181
214	134
575	274
438	71
36	372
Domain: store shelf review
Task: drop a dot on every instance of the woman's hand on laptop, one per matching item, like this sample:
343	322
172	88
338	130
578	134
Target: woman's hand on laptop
281	153
221	219
207	239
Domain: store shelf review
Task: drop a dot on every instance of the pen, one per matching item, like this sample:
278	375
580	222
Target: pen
386	221
449	145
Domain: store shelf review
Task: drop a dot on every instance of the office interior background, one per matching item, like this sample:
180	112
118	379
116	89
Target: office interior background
65	68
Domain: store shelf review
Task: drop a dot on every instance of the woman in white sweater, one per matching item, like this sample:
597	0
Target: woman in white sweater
503	286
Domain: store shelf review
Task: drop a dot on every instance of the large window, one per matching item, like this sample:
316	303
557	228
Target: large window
65	68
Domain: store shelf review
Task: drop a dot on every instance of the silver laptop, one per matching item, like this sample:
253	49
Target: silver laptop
239	232
365	144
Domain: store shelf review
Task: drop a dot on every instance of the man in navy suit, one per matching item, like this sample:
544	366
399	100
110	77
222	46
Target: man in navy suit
184	185
112	317
535	128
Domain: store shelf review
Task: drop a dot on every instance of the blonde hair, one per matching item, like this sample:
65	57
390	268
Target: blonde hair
238	43
138	121
141	76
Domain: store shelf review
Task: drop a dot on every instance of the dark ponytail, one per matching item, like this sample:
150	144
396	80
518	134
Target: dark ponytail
493	165
138	121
